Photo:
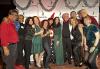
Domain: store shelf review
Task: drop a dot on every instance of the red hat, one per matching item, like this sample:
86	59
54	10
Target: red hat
52	16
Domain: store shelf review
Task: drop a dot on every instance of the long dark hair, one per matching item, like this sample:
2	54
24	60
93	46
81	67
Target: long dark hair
50	26
38	20
42	24
27	21
56	25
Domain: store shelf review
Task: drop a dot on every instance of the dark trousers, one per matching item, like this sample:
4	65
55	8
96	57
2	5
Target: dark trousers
27	49
91	58
20	51
77	53
10	60
47	54
67	49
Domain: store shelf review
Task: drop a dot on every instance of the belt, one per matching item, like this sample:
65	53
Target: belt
12	43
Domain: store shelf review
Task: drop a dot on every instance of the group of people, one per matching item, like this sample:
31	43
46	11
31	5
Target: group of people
77	38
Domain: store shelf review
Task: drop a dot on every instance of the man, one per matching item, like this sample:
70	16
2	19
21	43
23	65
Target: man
66	36
73	14
20	48
9	39
84	14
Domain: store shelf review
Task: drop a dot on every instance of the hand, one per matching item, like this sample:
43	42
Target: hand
92	49
33	26
86	48
57	43
6	51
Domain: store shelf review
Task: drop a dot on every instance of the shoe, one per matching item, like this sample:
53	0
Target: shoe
80	65
69	62
47	68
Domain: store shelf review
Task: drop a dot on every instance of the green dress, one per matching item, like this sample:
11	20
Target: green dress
37	41
58	49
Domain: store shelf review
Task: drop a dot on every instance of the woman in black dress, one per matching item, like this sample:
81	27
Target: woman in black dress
77	41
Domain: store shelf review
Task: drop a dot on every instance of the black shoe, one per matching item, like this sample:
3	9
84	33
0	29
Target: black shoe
47	67
69	62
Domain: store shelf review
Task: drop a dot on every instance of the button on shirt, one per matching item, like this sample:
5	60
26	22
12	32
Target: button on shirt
8	33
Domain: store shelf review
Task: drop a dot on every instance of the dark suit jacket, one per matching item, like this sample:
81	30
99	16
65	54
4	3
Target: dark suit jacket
65	30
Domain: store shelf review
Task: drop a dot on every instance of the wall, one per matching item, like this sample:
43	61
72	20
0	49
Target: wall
35	8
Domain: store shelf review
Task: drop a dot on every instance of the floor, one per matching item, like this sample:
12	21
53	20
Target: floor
65	66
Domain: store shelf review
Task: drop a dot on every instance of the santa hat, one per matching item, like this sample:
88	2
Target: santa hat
52	16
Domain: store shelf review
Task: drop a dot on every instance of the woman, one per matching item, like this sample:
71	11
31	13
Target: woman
46	43
58	47
29	33
37	42
77	42
50	20
91	42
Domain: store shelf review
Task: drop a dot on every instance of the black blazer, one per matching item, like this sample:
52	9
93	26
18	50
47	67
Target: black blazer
65	30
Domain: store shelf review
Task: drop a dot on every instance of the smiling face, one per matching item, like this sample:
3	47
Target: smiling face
51	21
57	20
65	17
72	21
45	24
30	22
73	14
21	18
13	16
36	20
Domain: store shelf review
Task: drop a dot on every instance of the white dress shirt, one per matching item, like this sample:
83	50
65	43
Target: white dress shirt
70	29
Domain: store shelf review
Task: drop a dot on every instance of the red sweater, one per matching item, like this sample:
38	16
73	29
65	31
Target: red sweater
8	33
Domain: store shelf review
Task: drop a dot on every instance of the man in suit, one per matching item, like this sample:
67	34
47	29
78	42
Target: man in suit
66	36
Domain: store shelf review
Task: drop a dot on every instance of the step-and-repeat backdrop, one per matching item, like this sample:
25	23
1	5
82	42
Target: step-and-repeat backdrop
45	8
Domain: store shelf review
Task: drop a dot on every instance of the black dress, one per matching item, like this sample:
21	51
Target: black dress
76	44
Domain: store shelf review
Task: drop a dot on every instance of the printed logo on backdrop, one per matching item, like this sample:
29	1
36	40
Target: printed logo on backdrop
68	4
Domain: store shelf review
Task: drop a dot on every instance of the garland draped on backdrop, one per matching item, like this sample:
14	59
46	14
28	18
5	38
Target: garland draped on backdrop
55	3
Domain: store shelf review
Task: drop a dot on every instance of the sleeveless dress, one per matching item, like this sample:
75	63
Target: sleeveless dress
37	41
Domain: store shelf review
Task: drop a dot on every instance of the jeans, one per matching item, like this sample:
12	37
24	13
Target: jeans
10	60
47	54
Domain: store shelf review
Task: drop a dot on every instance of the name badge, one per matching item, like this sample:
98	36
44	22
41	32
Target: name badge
22	27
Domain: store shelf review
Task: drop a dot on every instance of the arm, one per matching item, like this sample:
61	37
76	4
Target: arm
43	35
95	43
97	38
4	38
39	33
